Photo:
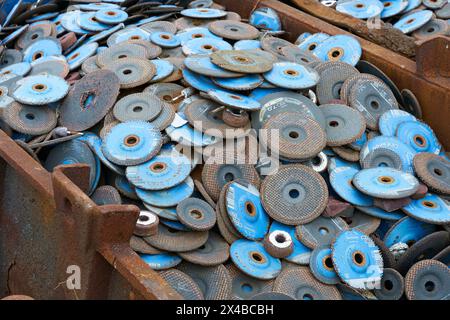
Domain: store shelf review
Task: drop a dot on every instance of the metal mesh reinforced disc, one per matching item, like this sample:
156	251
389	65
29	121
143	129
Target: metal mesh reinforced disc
33	34
138	106
344	124
214	282
177	241
89	100
425	248
244	286
165	118
321	231
160	26
432	28
298	282
183	284
428	280
241	61
196	214
350	81
132	72
214	252
120	51
201	63
106	195
34	120
433	170
295	195
298	137
332	77
382	156
153	51
233	30
276	103
165	91
215	176
204	116
372	99
392	285
51	65
90	65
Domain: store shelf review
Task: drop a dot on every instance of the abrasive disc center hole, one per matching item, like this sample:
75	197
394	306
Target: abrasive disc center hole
34	36
429	204
138	109
323	231
430	286
257	257
235	97
37	55
359	5
229	177
294	193
437	172
39	87
431	30
135	38
386	179
312	46
74	56
143	218
241	59
410	21
122	56
387	4
234	29
328	263
197	36
196	214
127	71
166	37
158	167
293	134
250	208
30	116
246	287
307	296
359	258
388	285
131	140
207	47
419	140
333	123
111	13
374	104
291	73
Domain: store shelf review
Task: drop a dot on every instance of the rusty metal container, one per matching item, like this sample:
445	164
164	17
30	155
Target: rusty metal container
48	224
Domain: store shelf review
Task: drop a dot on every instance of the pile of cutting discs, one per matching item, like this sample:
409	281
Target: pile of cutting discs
422	19
262	169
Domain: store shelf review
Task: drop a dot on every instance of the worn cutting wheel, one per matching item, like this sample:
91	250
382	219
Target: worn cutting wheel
433	170
120	51
428	280
196	214
214	281
40	89
244	286
132	72
183	284
177	241
233	30
298	282
322	267
298	137
105	195
138	106
321	231
295	195
241	61
214	252
34	120
89	100
392	285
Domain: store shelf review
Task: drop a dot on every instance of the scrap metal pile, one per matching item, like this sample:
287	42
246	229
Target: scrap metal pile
263	169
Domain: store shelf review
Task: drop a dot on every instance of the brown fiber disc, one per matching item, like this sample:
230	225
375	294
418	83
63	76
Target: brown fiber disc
132	72
233	30
215	281
215	176
121	51
89	100
214	252
433	170
294	195
34	120
302	285
139	245
298	137
242	61
428	280
177	241
182	283
67	40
